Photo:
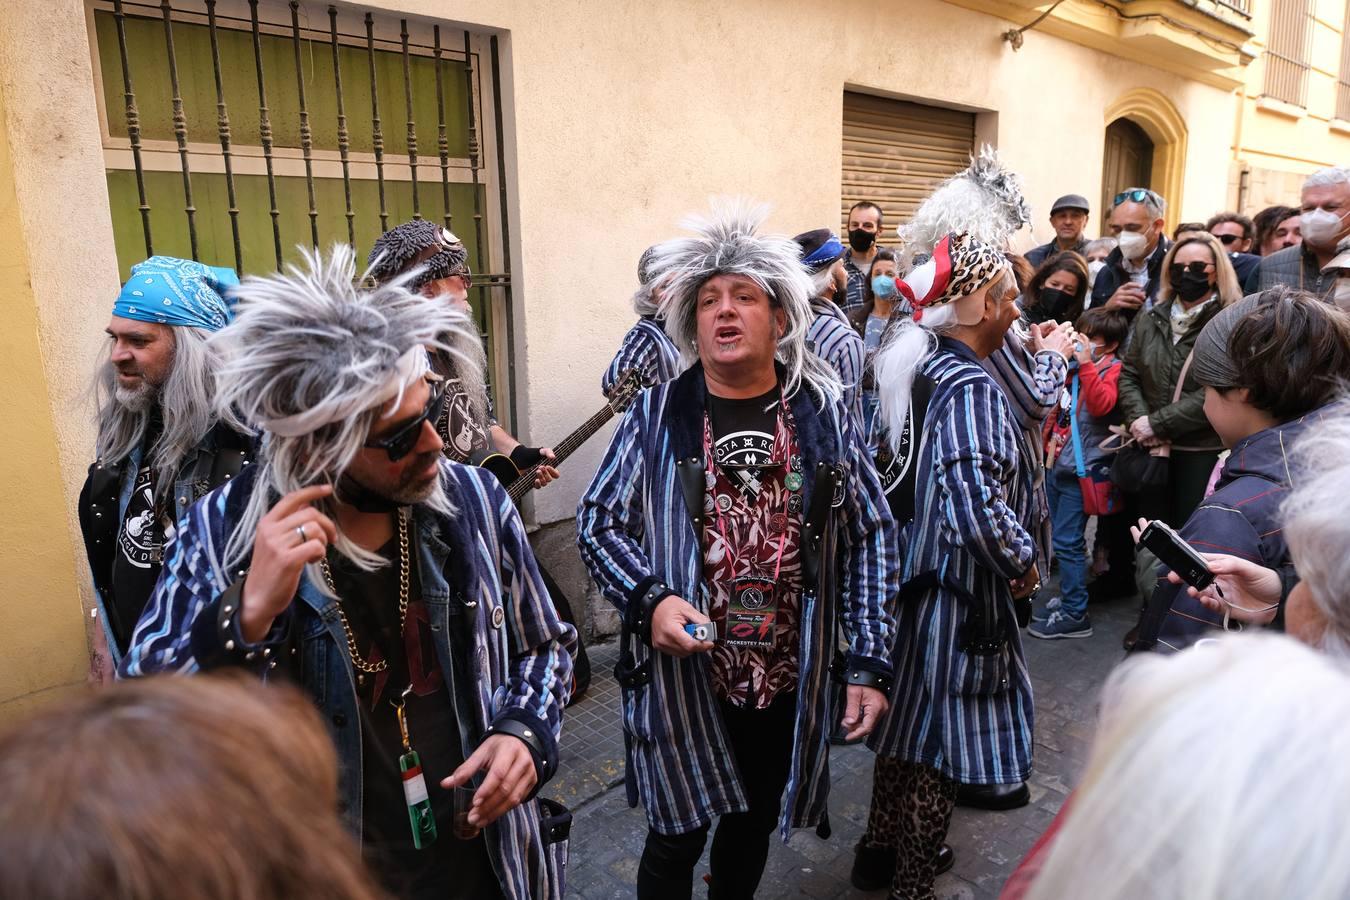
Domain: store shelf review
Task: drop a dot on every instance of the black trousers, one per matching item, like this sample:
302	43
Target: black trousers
761	741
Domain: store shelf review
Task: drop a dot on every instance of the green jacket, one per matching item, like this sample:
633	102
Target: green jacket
1148	380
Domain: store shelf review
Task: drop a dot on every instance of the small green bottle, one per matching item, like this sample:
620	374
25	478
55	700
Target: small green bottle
420	814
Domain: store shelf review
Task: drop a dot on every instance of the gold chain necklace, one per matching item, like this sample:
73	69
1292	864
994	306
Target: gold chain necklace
358	660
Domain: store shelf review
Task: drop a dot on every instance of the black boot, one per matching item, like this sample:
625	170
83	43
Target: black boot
873	867
993	796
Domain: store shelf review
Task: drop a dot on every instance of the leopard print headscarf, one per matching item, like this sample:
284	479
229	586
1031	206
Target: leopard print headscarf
960	266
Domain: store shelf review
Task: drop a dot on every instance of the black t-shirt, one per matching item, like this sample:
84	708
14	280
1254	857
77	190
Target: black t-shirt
743	433
447	867
462	432
137	560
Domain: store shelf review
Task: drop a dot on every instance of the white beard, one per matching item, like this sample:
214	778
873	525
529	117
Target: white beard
138	399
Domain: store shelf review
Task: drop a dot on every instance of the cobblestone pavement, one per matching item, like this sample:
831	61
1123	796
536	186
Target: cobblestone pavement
607	836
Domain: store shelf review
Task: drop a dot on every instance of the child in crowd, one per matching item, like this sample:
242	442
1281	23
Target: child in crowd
1090	397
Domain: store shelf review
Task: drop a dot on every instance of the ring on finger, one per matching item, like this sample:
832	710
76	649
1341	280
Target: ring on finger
300	530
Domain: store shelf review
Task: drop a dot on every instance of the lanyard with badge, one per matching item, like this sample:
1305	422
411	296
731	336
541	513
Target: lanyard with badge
752	608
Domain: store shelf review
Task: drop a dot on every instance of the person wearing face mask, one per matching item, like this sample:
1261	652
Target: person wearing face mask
1069	218
1324	223
864	226
1056	292
1130	279
1072	444
880	298
1096	253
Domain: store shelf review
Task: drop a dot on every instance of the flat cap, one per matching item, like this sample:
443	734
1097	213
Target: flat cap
1071	201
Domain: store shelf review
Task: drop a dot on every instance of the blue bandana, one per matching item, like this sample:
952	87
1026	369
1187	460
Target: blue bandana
174	291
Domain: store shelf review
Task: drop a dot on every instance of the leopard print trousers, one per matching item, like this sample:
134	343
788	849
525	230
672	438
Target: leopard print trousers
911	810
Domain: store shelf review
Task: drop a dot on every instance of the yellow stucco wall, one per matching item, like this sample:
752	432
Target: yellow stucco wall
42	636
620	117
1279	145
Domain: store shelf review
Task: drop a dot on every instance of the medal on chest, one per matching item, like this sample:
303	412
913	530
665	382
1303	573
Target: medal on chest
421	817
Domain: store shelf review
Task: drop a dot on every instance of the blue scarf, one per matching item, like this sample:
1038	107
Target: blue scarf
180	292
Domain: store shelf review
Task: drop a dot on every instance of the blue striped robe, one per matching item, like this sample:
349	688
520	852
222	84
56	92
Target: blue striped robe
522	666
968	716
832	338
647	348
633	529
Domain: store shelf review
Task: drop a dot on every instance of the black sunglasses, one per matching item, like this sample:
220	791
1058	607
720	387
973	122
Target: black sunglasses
1227	239
401	442
1195	267
1138	195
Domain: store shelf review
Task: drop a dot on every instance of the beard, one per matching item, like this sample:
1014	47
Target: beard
413	487
138	399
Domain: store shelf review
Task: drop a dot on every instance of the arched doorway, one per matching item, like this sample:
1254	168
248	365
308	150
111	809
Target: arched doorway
1127	161
1137	119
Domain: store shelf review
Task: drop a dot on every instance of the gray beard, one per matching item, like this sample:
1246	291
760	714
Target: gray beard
136	400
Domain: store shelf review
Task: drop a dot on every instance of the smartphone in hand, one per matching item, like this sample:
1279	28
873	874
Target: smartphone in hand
1172	551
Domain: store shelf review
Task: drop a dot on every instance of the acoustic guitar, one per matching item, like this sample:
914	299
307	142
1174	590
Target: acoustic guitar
519	482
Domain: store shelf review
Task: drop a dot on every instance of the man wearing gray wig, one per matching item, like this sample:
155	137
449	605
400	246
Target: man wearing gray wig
368	566
161	442
646	347
738	525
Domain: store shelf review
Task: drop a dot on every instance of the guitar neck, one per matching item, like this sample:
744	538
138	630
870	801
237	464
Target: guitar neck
563	449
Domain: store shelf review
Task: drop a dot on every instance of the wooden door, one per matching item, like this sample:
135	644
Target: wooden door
1126	163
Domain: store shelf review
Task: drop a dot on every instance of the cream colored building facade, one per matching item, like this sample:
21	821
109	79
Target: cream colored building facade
617	118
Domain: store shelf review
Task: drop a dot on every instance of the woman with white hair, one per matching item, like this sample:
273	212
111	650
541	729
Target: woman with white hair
961	709
1215	773
354	555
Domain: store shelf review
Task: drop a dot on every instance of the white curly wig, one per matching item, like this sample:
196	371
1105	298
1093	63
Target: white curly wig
727	242
317	345
983	200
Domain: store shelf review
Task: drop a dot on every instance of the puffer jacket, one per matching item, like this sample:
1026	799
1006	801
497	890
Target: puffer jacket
1148	380
1241	518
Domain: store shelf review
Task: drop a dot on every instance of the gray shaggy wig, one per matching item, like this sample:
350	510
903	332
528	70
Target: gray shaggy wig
184	404
316	338
984	200
727	242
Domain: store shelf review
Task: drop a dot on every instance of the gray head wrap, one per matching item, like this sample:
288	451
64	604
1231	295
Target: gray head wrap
396	250
1213	365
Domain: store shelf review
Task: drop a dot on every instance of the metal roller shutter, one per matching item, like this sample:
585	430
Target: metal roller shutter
896	152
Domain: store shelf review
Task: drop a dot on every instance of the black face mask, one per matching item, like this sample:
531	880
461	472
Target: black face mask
1190	287
1053	300
861	241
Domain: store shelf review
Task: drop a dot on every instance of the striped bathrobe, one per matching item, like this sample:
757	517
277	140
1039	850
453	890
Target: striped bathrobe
633	529
647	348
965	714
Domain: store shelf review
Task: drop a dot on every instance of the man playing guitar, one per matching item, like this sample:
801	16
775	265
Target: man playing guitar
467	424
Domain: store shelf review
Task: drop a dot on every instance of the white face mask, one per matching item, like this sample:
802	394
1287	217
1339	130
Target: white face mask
1133	244
1320	228
1094	268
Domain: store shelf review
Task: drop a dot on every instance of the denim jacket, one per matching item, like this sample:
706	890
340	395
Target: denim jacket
506	653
